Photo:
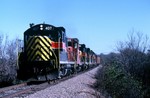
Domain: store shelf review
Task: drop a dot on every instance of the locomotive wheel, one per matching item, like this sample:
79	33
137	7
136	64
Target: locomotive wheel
78	69
64	72
86	67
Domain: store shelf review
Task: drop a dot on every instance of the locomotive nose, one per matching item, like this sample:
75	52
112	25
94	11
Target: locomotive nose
38	48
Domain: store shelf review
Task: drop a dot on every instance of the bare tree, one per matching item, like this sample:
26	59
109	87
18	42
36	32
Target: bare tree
133	53
8	59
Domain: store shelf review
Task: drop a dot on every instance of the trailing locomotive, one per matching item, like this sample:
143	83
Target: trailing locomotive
48	53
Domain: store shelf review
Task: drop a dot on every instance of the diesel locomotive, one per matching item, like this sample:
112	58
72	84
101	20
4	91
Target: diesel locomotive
48	54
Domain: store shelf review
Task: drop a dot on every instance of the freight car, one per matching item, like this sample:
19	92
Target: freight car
48	54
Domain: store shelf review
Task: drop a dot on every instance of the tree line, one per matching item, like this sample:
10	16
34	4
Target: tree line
8	60
126	73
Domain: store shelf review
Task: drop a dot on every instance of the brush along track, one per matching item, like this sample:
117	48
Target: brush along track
25	89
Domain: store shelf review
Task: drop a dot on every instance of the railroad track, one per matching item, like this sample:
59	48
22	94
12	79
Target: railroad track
12	91
24	89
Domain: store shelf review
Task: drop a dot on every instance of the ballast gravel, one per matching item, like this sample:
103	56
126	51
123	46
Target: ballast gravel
77	87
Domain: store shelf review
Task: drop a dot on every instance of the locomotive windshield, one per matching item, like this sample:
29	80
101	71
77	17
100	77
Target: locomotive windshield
69	43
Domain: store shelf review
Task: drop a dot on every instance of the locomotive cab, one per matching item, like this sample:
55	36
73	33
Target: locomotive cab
73	53
83	56
44	46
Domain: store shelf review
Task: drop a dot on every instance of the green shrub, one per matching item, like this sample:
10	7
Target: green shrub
114	80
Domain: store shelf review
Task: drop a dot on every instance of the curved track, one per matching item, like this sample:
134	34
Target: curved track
25	89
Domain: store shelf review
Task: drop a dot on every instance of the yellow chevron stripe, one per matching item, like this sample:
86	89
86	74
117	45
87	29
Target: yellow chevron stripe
45	59
48	39
39	47
44	41
47	55
32	50
36	39
28	44
45	47
33	47
41	54
38	53
47	44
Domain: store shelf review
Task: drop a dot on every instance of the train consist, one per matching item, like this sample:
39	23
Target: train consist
48	54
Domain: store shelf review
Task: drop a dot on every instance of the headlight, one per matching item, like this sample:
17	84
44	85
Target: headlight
41	27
